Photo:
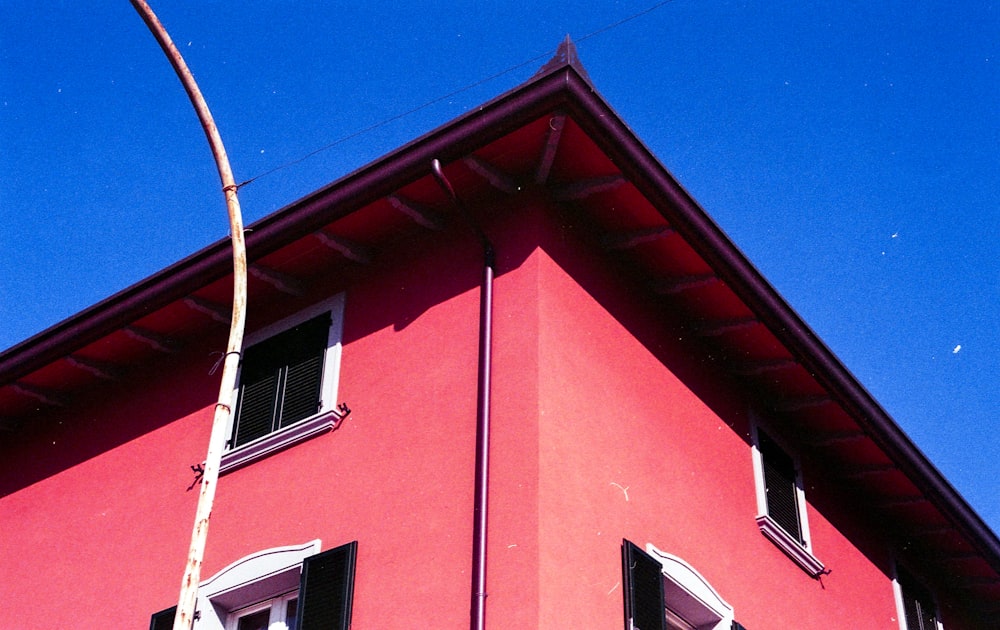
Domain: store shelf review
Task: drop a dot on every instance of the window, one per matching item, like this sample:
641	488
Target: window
916	606
663	592
644	599
781	501
287	385
286	588
277	613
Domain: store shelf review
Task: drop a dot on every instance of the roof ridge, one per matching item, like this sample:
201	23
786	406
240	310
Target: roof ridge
566	55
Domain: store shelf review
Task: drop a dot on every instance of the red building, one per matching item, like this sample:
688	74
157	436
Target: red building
666	436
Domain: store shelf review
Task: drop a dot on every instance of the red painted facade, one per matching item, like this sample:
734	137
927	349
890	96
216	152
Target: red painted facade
611	419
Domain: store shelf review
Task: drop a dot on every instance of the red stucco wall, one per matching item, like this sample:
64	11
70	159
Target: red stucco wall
607	424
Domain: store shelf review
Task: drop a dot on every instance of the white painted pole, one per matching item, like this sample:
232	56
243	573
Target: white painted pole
188	597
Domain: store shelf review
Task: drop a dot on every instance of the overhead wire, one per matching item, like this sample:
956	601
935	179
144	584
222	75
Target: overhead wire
497	75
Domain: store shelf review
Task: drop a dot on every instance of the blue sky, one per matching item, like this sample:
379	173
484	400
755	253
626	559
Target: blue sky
850	149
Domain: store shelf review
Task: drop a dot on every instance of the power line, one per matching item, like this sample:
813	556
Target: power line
382	123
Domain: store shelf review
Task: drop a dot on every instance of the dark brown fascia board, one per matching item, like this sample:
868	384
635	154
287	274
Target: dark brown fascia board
348	194
562	88
684	214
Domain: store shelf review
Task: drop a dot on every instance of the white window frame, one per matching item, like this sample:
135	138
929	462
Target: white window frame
800	553
256	578
689	595
325	419
897	591
277	608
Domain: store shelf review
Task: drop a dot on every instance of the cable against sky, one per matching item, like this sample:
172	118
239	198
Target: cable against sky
425	105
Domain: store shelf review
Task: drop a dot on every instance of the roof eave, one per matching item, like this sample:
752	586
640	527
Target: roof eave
561	88
640	166
347	194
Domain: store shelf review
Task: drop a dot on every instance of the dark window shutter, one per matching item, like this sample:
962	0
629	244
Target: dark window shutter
738	626
327	589
255	410
779	486
280	380
163	620
302	389
917	604
644	601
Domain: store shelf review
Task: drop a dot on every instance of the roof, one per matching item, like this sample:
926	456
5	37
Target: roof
554	132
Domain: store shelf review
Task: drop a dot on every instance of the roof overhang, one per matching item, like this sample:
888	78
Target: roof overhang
666	236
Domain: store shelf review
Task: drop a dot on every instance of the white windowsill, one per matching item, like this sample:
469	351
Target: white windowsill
792	548
280	439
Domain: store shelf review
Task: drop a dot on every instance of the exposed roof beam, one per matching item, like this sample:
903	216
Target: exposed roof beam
868	471
217	312
587	187
671	286
757	368
497	178
905	501
280	281
556	124
150	338
100	369
40	394
838	437
931	529
721	327
347	248
634	238
961	556
804	402
976	580
420	214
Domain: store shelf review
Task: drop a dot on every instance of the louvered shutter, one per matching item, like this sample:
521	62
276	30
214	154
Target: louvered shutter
163	620
779	486
327	589
644	601
917	604
280	380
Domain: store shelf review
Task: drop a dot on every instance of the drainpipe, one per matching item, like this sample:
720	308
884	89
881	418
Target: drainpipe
478	610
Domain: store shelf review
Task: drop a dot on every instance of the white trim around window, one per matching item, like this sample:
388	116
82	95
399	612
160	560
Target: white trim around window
255	578
326	417
798	551
924	597
689	596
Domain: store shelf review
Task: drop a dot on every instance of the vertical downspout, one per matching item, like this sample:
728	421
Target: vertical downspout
478	610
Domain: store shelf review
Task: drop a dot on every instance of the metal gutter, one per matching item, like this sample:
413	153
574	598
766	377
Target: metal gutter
344	196
639	165
482	465
562	88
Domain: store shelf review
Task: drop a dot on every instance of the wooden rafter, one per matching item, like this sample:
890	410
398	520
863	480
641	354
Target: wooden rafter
905	501
870	470
217	312
40	394
671	286
155	341
758	368
497	178
552	137
587	187
803	402
101	369
634	238
838	437
420	214
347	248
725	326
280	281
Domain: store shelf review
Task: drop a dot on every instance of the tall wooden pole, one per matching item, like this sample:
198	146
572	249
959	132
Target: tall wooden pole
199	535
